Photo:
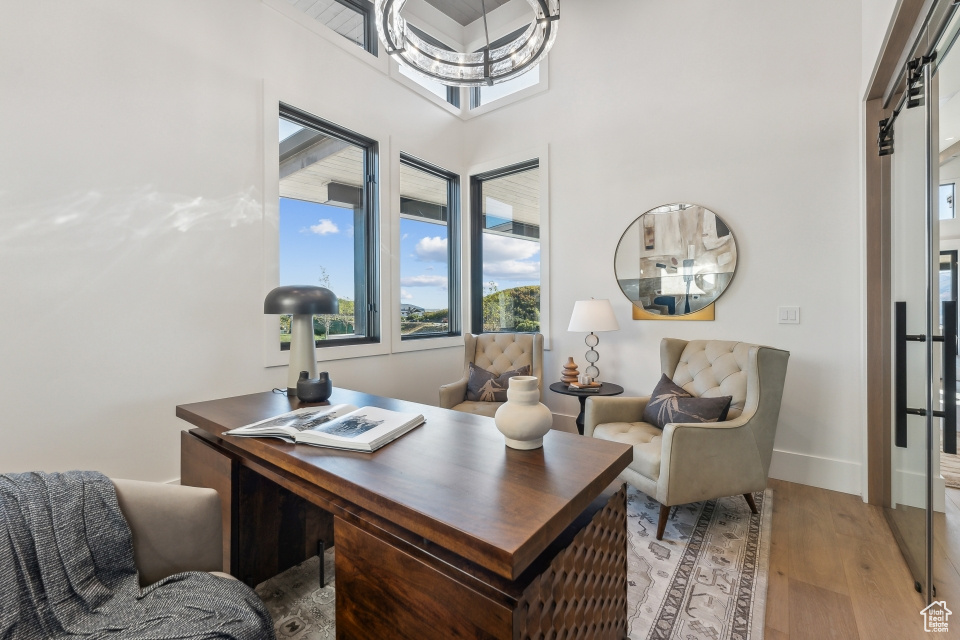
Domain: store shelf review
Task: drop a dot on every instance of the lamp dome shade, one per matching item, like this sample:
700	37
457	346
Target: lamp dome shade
299	299
593	315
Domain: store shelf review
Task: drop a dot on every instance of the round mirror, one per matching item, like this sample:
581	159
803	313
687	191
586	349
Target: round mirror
675	260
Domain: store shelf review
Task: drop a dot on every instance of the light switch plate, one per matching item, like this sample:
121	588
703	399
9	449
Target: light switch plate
788	315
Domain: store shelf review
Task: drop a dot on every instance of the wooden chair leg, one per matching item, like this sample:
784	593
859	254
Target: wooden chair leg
750	501
664	514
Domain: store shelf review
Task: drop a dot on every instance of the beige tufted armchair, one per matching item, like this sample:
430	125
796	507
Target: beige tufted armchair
701	461
496	352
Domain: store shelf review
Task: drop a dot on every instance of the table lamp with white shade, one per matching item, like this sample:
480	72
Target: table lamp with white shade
302	302
592	316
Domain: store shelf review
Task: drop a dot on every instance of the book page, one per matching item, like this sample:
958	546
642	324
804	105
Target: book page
363	426
295	421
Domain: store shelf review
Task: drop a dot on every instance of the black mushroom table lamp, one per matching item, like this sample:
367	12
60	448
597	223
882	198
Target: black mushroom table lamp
302	302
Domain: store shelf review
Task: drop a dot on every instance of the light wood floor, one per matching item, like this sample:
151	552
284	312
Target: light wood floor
836	571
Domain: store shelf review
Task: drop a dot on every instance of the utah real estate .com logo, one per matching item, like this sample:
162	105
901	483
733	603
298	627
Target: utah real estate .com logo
935	617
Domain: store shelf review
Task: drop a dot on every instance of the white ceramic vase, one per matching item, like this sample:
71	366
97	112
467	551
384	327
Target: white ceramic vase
522	419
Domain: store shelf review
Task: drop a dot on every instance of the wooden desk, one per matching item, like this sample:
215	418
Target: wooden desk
443	533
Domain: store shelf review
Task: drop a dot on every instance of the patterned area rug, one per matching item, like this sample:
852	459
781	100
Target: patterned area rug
950	469
301	610
706	580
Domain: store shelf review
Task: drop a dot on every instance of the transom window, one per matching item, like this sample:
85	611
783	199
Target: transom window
353	19
480	96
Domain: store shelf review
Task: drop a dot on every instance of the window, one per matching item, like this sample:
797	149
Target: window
442	91
484	95
353	19
429	256
946	201
328	224
948	278
505	245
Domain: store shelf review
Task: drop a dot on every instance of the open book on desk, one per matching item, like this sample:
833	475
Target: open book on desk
341	426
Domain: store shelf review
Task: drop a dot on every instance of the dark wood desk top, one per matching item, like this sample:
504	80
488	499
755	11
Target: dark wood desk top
451	480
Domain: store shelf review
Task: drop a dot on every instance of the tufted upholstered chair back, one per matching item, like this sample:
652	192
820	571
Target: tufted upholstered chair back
501	352
709	368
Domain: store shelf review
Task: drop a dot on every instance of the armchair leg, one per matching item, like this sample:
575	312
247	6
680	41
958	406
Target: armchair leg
750	501
664	514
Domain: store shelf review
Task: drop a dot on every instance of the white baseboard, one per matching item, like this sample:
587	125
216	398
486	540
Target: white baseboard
908	483
825	473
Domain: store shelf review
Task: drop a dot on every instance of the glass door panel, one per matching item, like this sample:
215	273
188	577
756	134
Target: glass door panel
909	286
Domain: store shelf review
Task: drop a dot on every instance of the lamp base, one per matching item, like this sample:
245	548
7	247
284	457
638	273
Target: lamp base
303	355
592	356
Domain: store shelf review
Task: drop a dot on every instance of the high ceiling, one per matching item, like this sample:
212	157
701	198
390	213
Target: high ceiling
466	11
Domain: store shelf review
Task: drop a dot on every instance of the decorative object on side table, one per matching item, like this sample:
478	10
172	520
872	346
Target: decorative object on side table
593	315
314	389
605	389
302	302
523	419
570	371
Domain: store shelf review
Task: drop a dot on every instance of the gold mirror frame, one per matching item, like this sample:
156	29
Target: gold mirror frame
674	262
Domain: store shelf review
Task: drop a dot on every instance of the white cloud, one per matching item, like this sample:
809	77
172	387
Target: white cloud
499	248
405	236
424	281
432	249
428	268
510	258
511	270
322	228
405	295
350	231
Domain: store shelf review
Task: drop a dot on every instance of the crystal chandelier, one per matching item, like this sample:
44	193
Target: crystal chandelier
485	67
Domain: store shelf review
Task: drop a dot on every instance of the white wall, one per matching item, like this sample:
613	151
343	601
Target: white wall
875	18
131	181
131	243
752	110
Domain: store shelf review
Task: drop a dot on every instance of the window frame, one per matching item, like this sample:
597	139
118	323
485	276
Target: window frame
454	290
371	41
476	238
367	296
953	199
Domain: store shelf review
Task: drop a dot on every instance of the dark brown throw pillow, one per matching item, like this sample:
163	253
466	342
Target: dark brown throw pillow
486	386
670	402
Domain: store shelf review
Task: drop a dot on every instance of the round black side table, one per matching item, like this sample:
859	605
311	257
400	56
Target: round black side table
606	389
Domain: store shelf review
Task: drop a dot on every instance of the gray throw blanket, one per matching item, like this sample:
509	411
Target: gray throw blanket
67	571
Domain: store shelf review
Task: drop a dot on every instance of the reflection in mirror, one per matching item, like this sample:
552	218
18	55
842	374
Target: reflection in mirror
676	259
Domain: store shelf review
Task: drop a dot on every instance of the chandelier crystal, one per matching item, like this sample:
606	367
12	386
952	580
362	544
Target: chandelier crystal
485	67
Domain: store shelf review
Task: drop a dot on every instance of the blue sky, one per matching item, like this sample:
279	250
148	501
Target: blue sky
314	237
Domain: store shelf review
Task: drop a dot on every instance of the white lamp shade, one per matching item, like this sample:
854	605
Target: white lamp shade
592	316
